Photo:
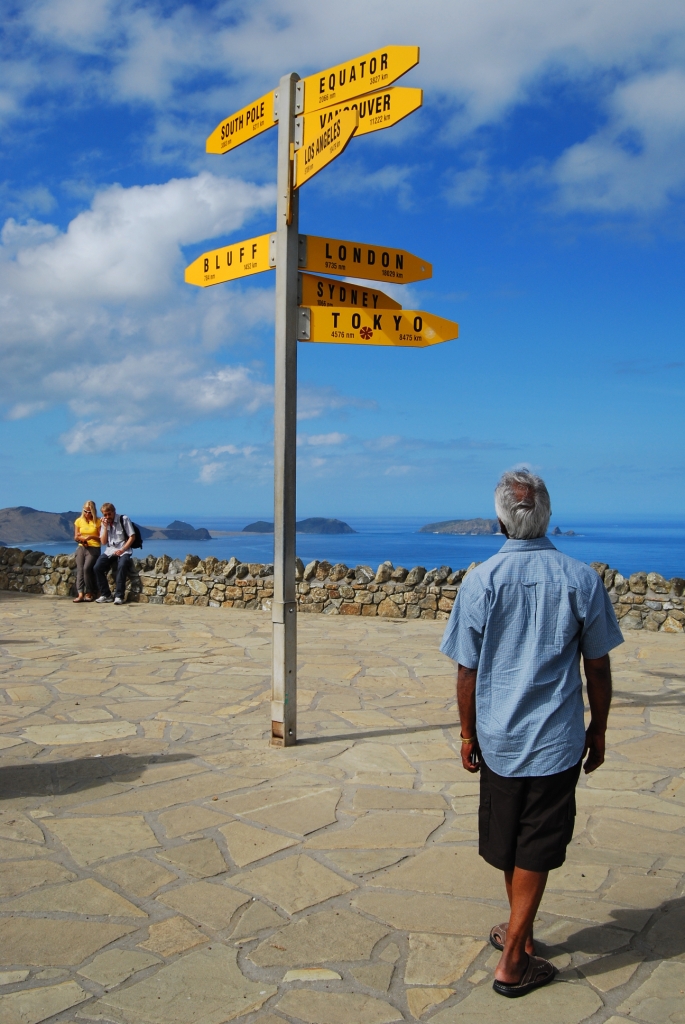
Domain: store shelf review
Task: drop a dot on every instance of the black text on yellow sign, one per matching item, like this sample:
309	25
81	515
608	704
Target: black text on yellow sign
372	71
322	291
408	328
242	126
370	262
380	110
230	262
320	144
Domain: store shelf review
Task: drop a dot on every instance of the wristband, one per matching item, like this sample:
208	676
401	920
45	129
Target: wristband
471	739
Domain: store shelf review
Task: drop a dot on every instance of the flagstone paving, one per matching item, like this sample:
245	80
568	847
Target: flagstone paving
161	864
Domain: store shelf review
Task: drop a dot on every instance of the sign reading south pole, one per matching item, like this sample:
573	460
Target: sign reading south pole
244	125
319	145
375	70
407	328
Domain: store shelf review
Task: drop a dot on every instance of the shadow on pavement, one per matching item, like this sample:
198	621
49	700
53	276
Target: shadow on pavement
55	777
363	735
661	938
641	700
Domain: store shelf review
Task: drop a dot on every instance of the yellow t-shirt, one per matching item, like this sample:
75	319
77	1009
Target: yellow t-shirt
89	529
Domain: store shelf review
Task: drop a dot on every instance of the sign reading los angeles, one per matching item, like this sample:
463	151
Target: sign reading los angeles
407	328
242	126
322	291
231	262
321	144
373	71
370	262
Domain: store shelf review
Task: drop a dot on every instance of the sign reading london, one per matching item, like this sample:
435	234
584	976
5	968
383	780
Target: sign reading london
408	328
230	262
242	126
322	291
373	71
370	262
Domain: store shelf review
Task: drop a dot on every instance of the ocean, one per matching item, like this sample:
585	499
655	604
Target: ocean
629	545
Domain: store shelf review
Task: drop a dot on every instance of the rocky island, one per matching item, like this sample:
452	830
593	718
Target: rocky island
464	527
314	525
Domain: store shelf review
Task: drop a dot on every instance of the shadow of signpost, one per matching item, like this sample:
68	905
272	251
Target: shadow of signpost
56	777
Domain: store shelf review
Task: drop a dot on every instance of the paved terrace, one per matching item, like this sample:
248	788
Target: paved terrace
162	865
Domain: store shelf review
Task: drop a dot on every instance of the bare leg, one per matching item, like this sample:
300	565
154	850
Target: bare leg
524	889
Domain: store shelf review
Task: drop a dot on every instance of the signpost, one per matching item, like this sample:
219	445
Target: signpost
317	116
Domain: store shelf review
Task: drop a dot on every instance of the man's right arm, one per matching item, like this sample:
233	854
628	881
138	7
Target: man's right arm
598	676
466	700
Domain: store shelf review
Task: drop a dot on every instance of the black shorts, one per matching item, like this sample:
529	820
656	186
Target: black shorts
526	822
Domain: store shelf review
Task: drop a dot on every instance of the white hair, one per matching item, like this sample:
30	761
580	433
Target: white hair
522	503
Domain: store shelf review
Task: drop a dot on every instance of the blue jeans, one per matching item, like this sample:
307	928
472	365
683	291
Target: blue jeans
120	564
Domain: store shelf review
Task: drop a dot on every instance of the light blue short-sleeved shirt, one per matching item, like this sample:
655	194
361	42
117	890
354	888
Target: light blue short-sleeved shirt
523	618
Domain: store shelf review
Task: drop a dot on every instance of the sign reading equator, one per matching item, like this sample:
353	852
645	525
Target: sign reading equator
406	328
369	262
372	71
244	125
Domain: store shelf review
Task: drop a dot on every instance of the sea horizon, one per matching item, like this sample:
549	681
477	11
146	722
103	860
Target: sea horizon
627	543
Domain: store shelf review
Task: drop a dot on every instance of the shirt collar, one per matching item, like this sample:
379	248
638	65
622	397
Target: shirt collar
537	544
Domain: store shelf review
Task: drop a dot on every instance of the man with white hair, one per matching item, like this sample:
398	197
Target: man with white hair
520	623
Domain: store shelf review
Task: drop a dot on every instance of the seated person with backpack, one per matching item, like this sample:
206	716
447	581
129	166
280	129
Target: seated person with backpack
117	537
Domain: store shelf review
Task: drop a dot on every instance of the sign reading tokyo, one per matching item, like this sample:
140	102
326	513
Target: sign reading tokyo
370	262
242	126
373	71
409	328
319	144
380	110
230	262
321	291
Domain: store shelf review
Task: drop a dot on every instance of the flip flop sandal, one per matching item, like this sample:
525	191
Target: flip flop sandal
538	972
498	935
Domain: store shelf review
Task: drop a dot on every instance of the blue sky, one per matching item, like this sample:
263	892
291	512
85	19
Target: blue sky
544	178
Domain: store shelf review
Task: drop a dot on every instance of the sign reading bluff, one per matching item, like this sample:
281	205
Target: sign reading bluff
370	262
408	328
230	262
242	126
374	70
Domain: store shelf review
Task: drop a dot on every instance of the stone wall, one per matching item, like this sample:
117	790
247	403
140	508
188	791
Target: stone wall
642	601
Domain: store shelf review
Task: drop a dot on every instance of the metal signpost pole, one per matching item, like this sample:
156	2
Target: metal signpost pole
284	607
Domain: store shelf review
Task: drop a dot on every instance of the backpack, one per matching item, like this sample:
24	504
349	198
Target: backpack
138	542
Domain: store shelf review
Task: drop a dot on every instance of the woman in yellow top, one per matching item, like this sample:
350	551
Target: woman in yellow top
87	536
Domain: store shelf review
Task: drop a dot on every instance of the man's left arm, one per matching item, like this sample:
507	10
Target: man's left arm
466	700
125	547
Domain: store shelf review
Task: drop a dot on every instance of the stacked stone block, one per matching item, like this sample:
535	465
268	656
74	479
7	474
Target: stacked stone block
642	601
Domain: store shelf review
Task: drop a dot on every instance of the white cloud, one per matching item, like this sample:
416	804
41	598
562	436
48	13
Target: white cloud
318	440
479	59
97	317
637	161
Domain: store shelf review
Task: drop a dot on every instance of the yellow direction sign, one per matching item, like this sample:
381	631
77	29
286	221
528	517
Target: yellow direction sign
231	261
408	328
319	145
354	259
242	126
322	291
374	70
380	110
